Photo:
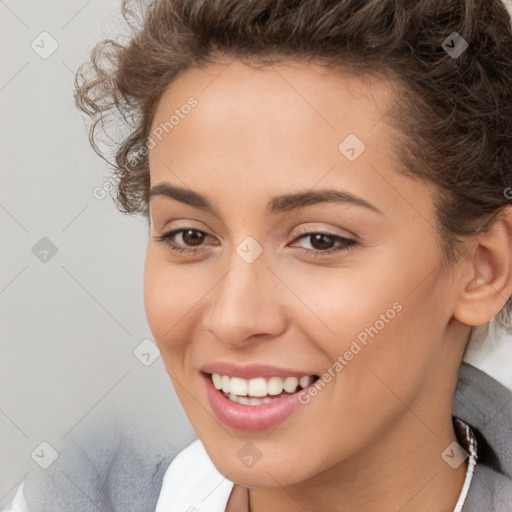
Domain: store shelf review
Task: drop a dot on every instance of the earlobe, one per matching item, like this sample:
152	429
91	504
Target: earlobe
489	267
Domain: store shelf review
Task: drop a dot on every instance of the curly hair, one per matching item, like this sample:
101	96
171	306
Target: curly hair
453	117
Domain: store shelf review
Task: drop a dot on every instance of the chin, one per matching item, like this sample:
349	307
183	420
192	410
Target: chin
269	471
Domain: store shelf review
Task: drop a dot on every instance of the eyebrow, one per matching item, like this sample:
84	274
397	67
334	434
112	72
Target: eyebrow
278	204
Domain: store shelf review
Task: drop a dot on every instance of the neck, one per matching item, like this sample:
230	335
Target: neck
402	471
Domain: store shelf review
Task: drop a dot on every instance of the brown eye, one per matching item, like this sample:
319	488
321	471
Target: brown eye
190	238
322	243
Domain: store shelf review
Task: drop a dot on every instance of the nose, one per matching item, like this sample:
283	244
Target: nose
246	304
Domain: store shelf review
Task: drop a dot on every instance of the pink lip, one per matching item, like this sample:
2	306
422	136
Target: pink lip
250	417
252	371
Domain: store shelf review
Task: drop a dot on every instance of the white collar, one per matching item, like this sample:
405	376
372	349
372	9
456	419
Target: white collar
468	439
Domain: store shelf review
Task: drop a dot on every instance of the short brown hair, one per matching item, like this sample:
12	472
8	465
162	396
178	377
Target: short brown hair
454	117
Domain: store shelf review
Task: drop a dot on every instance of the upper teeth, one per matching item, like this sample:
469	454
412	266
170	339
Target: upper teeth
259	386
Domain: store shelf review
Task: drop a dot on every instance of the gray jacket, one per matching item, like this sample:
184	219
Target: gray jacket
486	405
118	473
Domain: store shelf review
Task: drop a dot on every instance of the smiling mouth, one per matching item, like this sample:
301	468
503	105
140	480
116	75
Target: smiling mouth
259	390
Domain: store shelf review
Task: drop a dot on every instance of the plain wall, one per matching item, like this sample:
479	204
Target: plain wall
69	325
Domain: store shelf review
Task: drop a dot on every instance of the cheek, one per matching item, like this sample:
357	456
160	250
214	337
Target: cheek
340	303
388	356
166	301
379	319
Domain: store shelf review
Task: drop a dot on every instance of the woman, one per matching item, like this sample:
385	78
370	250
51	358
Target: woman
326	186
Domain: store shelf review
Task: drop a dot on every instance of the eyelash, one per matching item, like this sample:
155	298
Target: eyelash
347	242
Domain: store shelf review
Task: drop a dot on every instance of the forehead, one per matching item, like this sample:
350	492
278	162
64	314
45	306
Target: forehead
301	88
254	133
285	109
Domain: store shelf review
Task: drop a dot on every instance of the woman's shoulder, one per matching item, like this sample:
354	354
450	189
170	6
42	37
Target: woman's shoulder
192	482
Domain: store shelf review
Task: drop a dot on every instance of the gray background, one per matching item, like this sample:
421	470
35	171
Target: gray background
70	324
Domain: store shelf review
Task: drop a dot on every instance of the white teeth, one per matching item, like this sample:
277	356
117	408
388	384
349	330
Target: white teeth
217	380
226	381
250	401
238	386
291	383
304	381
258	387
275	385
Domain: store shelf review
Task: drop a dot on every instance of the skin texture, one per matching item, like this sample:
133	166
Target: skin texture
372	438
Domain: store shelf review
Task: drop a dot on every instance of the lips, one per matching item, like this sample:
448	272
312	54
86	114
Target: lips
251	417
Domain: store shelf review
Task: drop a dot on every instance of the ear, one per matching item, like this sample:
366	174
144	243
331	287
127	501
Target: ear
487	284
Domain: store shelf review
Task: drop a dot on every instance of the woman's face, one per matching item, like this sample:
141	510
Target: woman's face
320	284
